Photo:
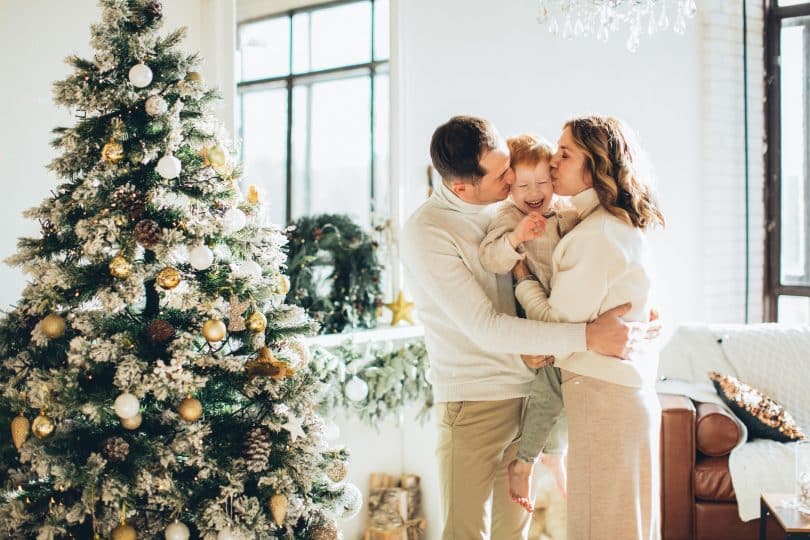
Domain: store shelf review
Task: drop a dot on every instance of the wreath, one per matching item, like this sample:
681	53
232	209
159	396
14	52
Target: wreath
334	272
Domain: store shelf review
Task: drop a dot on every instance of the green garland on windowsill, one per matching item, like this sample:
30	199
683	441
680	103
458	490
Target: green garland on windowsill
334	272
394	373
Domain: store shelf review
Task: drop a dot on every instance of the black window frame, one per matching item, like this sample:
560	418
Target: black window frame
774	286
289	81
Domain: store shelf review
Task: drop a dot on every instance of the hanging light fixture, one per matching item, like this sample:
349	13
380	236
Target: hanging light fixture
601	18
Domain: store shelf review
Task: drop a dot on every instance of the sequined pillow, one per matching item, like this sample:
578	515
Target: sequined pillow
764	418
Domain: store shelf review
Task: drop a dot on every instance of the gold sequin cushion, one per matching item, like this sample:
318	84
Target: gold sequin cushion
764	418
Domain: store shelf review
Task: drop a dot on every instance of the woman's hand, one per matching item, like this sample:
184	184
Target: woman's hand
520	270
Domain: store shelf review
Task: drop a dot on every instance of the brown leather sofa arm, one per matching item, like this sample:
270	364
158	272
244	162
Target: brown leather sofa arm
677	467
716	430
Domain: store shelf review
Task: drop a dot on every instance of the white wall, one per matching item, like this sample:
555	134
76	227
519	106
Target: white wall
35	37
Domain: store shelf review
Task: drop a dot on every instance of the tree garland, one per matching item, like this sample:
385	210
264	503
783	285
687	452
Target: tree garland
334	272
394	375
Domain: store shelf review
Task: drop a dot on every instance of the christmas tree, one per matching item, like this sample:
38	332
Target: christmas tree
154	381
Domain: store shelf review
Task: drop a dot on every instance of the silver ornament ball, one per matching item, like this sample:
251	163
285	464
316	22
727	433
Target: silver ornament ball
140	75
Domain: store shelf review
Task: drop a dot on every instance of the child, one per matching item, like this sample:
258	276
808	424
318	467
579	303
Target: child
528	227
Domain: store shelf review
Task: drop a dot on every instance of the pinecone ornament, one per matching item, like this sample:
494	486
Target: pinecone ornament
148	233
136	210
257	449
160	332
116	449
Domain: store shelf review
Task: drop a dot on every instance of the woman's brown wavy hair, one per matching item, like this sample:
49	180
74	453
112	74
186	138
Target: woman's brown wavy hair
612	160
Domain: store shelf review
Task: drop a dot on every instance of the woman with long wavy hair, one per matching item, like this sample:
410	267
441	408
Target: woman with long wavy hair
612	407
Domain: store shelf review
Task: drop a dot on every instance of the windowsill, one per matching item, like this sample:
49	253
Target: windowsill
383	333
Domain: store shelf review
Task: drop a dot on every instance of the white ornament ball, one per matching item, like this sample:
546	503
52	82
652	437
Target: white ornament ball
169	167
127	405
234	220
228	534
351	501
250	270
356	389
155	106
140	75
177	531
331	431
201	257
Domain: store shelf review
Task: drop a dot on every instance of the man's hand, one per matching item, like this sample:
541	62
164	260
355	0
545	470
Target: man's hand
611	336
530	227
534	362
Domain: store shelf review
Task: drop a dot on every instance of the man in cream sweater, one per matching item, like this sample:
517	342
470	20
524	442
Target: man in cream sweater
473	338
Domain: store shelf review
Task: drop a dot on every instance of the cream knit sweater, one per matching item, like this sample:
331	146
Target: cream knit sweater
472	337
600	264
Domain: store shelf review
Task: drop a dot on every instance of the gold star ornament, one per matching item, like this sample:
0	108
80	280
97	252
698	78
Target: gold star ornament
401	309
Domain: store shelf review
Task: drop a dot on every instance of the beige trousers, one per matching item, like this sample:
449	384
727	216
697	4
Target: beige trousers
613	460
477	441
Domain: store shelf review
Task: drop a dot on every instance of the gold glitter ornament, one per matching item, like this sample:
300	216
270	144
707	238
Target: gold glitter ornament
214	330
324	531
42	426
190	409
112	152
283	285
20	428
278	508
120	267
53	326
337	471
133	422
256	322
124	532
168	278
194	76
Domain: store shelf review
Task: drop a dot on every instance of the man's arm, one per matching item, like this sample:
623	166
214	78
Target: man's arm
434	263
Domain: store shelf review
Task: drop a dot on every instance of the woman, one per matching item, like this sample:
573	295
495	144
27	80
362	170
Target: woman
612	407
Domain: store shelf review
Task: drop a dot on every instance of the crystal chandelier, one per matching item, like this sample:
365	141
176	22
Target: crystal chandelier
600	18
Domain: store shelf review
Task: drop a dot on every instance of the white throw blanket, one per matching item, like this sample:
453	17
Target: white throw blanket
773	358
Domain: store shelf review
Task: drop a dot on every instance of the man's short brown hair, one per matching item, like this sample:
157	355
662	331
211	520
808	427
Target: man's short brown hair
457	146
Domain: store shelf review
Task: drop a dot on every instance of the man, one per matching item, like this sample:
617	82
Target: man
474	341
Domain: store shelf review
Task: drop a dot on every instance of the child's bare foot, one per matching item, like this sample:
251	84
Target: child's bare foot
520	474
556	465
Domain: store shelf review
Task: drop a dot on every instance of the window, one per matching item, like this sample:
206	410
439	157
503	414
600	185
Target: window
314	109
788	194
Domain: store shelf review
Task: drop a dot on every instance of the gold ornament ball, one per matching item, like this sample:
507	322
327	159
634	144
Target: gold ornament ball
195	76
256	322
20	427
53	326
283	285
124	532
214	330
133	422
190	409
168	278
42	426
324	531
113	152
217	156
278	508
120	267
337	471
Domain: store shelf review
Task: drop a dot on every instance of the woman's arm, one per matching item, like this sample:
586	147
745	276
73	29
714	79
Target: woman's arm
579	286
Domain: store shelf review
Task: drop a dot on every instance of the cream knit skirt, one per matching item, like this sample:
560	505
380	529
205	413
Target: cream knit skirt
613	460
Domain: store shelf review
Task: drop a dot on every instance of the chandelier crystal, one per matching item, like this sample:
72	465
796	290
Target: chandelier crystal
601	18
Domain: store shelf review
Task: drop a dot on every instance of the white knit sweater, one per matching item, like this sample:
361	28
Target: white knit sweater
600	264
472	337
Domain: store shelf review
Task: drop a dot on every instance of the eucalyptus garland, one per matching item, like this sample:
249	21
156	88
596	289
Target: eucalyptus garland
334	272
395	375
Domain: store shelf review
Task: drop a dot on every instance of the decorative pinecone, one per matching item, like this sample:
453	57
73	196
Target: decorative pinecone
159	331
148	233
317	234
116	449
257	449
136	210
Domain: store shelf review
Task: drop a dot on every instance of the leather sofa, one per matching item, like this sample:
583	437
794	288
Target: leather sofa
697	497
